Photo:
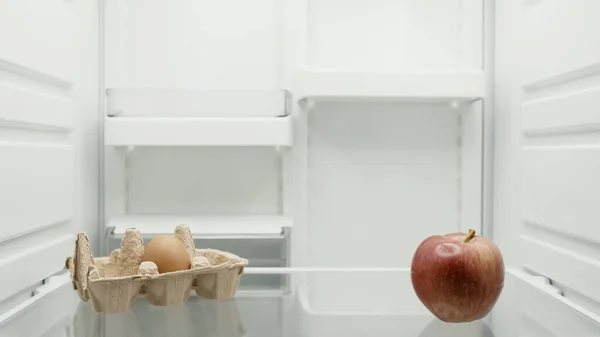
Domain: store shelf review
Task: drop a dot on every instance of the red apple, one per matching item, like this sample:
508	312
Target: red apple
458	276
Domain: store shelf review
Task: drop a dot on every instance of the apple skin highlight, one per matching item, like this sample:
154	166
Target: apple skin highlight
458	281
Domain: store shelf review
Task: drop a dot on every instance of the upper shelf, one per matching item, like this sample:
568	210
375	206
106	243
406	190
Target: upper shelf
259	131
164	117
419	86
183	103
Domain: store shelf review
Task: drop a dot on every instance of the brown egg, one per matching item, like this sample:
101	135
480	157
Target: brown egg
168	252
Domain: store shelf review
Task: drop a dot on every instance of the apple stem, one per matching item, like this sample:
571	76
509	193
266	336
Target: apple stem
470	236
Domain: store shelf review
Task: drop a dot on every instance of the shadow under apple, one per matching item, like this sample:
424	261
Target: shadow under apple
437	328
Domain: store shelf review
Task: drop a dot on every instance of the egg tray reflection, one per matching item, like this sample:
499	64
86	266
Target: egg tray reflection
112	283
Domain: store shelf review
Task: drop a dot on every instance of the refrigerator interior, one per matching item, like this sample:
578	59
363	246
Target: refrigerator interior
302	133
227	121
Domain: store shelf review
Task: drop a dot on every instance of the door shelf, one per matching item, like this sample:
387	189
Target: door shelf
368	86
156	131
205	227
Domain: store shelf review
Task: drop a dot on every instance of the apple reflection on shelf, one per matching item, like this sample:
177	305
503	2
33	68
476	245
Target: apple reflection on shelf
198	317
438	328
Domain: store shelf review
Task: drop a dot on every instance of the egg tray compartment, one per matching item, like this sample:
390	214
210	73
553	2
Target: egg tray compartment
112	283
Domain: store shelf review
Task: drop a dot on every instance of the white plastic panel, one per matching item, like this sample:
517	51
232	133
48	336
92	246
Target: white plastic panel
559	38
550	315
560	215
560	129
26	263
195	44
29	29
560	238
19	104
48	131
37	198
197	103
389	85
529	307
37	186
48	314
573	111
562	189
125	131
211	181
115	181
381	177
547	138
393	35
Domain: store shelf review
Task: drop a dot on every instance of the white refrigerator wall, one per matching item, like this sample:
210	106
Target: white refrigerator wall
547	140
391	35
194	44
380	178
48	138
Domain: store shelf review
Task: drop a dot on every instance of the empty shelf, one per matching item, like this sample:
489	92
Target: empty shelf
426	86
150	131
189	103
204	226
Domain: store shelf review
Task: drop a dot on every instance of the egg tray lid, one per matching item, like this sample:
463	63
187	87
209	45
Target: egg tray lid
112	283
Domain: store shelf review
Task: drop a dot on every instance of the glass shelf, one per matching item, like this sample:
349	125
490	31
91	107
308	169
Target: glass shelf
315	303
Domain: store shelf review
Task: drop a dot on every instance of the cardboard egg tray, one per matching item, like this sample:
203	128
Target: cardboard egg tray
112	283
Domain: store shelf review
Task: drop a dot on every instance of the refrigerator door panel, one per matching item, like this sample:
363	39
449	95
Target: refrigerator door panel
48	130
49	313
547	142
